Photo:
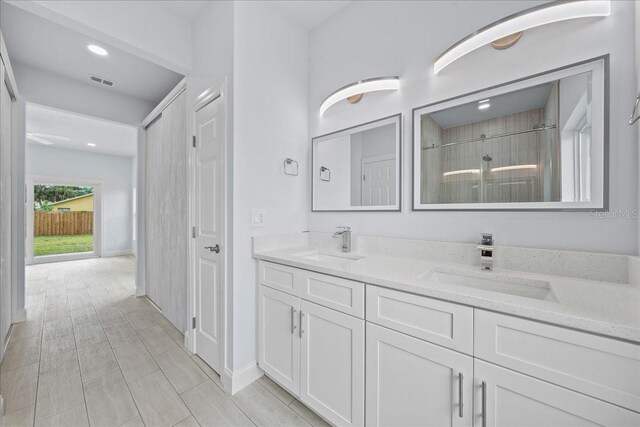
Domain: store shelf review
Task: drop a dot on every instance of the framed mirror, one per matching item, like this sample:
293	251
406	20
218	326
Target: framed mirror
358	169
539	143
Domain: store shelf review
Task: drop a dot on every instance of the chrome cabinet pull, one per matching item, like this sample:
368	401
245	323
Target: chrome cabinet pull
293	326
484	404
460	394
300	331
634	118
215	248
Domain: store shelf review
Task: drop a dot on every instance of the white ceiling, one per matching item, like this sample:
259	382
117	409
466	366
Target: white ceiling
308	13
40	43
57	126
508	103
190	10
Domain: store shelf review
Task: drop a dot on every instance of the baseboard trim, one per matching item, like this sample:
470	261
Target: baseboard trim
237	380
19	316
116	253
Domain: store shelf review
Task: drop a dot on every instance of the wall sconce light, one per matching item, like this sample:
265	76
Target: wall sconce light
354	92
507	31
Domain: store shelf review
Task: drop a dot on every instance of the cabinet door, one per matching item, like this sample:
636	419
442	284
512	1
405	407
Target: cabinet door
411	382
278	340
332	364
510	399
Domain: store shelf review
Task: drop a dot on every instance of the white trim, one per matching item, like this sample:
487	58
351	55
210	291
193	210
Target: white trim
141	185
98	215
9	76
203	99
235	381
19	316
597	67
117	253
180	87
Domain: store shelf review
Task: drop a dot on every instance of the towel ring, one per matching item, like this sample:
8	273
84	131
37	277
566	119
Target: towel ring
633	119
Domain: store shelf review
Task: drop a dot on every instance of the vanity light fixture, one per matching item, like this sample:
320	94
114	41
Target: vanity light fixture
509	27
100	51
355	91
461	172
513	168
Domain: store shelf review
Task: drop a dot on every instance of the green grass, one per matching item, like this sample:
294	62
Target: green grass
54	245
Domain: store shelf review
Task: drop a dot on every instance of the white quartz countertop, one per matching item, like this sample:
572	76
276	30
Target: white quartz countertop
610	309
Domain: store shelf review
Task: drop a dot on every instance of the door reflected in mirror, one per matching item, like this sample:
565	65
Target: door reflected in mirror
539	145
358	168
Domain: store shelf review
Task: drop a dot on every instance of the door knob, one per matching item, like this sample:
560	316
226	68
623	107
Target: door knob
215	248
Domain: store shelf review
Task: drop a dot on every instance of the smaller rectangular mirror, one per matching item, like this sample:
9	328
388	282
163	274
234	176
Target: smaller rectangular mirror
358	169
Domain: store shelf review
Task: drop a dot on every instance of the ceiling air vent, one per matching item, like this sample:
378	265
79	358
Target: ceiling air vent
97	79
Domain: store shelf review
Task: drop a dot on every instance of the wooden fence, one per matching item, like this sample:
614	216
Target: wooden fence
62	223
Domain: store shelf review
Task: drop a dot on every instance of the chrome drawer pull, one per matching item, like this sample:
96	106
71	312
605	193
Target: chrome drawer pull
293	326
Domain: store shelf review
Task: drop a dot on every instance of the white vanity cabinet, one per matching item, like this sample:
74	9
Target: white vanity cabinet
411	382
332	364
434	363
279	341
314	349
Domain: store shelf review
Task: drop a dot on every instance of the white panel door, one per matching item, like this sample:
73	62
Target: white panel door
378	182
411	382
5	210
511	399
279	337
332	364
208	203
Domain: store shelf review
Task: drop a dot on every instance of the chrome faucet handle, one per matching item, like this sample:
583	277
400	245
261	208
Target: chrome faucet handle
344	227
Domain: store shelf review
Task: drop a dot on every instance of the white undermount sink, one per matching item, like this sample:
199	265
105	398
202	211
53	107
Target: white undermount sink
527	288
328	257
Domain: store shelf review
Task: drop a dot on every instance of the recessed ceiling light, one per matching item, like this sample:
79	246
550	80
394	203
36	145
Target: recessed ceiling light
483	106
483	101
97	50
91	144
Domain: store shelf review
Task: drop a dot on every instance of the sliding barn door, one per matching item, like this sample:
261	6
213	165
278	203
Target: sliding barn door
167	212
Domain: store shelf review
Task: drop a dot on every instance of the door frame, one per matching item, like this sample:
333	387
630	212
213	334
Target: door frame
98	223
210	95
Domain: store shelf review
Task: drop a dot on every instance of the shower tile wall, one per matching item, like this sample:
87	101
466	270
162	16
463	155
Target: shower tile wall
523	185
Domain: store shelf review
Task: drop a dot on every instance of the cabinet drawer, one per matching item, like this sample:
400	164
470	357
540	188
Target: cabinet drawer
443	323
281	277
601	367
342	295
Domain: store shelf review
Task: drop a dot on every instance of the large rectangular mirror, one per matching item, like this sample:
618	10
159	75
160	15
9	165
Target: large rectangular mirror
537	143
358	169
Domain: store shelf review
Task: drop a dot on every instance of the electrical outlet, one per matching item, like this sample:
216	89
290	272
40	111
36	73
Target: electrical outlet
258	217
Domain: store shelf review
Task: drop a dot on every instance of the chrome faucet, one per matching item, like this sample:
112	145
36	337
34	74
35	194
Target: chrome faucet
345	232
486	251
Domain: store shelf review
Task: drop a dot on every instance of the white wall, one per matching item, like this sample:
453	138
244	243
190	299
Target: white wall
52	90
334	154
114	171
142	28
270	124
368	39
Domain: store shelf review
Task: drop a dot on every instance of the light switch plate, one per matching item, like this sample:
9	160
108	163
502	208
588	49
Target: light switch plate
258	217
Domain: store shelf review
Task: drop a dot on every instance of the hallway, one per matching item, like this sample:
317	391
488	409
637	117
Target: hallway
91	353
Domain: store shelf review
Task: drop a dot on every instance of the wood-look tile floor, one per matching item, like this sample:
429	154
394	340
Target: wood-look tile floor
91	353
